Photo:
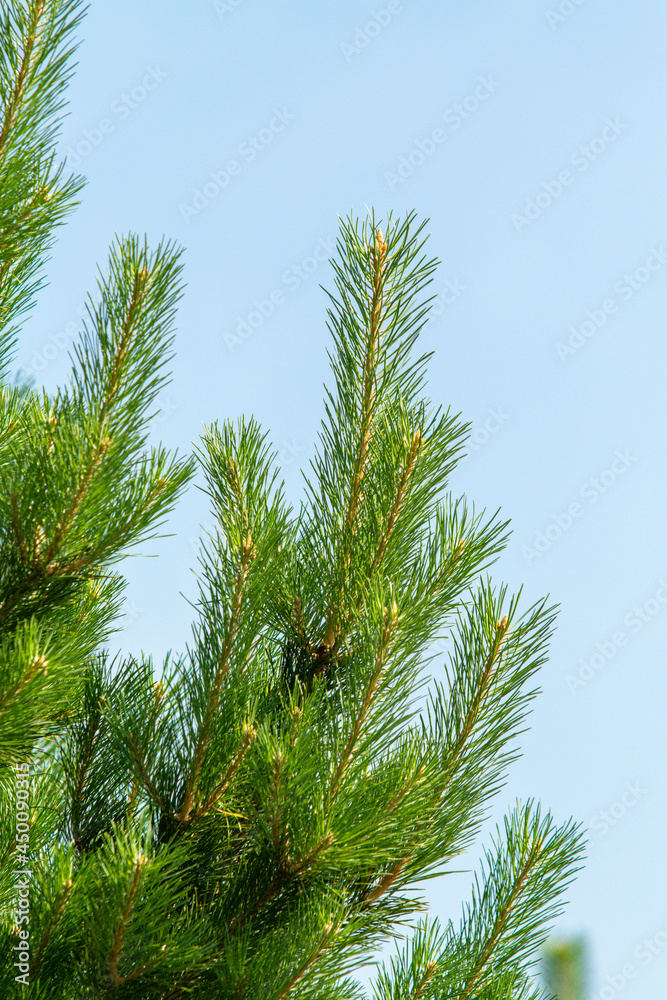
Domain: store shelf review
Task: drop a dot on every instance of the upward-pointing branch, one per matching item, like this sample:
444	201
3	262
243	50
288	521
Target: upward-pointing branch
22	77
368	402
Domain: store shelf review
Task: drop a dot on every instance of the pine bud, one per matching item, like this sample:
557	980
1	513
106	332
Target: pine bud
380	245
249	732
41	661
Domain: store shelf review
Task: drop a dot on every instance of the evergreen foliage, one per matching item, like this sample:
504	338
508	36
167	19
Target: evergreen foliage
252	819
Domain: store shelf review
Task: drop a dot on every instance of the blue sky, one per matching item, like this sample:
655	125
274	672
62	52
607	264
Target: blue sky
534	136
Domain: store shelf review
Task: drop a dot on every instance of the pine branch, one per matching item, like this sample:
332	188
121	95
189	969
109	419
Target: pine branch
244	561
333	634
483	686
373	331
308	962
253	822
113	977
249	737
141	280
507	919
143	775
25	71
362	714
401	492
35	52
83	769
379	253
53	921
529	864
465	736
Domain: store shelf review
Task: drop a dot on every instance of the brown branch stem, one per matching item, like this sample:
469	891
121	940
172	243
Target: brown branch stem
355	732
308	962
401	492
245	558
502	918
22	77
114	978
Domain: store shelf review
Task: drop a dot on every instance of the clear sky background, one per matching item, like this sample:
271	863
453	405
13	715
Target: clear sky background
533	134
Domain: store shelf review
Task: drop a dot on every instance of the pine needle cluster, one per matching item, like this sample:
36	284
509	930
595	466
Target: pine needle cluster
252	819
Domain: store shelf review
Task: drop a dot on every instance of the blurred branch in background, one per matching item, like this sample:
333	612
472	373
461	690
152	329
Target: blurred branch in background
564	968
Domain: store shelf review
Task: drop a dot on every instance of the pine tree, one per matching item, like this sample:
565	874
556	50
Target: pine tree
253	818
